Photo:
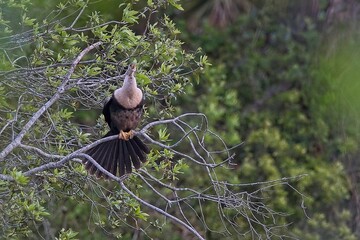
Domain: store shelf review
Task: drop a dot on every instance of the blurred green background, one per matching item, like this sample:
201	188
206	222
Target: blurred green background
285	80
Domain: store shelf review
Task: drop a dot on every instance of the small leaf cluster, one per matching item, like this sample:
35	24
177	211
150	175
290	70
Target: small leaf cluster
21	206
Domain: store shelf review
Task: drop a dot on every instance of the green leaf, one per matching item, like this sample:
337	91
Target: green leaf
129	15
143	79
204	61
140	214
67	235
175	4
28	21
65	113
163	135
150	3
179	166
93	71
168	154
19	177
61	6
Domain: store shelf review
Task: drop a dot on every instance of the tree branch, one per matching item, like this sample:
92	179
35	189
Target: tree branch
159	210
61	89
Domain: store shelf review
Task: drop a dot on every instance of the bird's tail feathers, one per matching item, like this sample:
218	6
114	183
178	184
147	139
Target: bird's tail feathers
117	156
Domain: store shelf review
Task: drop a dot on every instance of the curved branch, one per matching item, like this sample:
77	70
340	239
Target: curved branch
16	142
159	210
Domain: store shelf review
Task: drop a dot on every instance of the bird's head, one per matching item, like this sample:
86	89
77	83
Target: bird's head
131	70
133	67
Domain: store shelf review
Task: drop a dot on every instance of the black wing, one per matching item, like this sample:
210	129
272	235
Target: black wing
106	111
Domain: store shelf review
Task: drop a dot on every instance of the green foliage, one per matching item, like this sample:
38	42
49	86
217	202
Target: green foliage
163	135
129	16
19	178
264	87
67	235
176	4
22	206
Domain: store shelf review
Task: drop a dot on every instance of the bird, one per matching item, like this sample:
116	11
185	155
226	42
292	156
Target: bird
122	112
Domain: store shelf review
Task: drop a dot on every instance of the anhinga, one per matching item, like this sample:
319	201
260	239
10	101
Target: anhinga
122	113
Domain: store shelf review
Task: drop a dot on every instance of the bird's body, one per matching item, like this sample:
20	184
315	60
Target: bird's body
119	117
123	113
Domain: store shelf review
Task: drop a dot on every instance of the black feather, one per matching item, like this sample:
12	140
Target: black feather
137	150
134	158
96	154
126	158
142	146
107	159
114	157
106	112
101	157
117	156
120	159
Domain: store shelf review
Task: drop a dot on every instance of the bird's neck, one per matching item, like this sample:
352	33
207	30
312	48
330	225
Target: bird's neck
129	95
130	84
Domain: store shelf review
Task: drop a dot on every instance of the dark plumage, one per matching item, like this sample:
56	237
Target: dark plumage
117	156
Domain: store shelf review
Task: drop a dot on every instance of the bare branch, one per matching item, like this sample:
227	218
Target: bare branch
172	217
15	143
39	151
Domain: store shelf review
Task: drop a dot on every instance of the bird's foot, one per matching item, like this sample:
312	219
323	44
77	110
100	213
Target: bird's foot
126	135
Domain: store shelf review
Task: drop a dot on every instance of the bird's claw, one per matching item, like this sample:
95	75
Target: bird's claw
126	135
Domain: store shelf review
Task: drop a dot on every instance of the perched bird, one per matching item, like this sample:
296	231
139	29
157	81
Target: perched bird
122	113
